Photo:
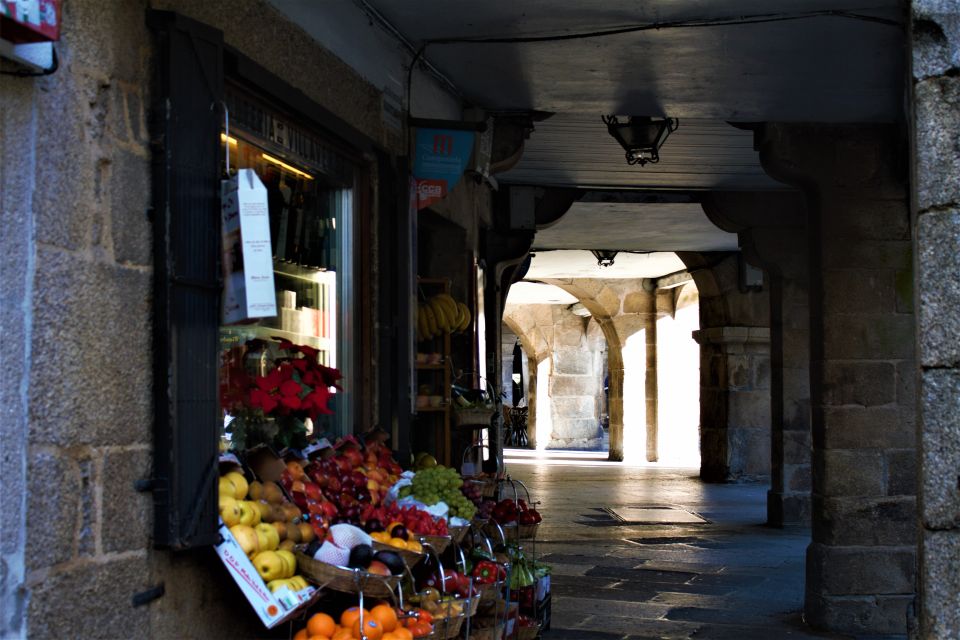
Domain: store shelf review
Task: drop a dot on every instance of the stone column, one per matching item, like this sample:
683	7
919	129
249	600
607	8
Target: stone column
936	52
734	402
772	230
861	563
530	373
651	387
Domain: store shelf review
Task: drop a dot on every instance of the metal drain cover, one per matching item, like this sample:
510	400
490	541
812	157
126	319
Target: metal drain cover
655	515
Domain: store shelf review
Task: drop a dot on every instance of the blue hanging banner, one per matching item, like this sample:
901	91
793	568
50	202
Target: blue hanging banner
441	155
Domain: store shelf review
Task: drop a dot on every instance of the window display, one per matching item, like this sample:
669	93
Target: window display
310	216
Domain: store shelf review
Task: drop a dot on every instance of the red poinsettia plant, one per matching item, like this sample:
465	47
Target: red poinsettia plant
270	402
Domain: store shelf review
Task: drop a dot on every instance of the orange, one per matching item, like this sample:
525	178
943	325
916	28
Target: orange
385	615
351	615
400	633
319	638
321	624
343	634
371	629
301	635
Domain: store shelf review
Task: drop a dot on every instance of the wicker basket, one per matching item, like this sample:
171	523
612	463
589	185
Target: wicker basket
490	591
346	580
410	558
526	633
488	633
449	627
439	543
527	531
474	417
458	533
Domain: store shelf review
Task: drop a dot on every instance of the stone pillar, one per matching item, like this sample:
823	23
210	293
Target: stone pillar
772	229
651	388
574	384
530	373
861	563
734	402
936	55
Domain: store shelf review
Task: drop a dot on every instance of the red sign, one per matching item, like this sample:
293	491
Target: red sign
430	191
23	21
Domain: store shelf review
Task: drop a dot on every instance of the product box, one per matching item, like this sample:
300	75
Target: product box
247	253
272	608
25	21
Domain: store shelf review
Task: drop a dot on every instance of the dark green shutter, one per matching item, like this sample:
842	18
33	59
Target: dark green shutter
186	171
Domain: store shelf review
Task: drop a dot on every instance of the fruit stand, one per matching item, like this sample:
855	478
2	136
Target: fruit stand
338	541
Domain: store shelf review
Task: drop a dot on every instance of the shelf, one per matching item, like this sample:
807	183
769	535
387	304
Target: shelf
323	344
431	367
290	270
433	409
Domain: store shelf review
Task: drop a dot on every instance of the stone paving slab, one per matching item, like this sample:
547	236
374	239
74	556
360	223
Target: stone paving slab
730	579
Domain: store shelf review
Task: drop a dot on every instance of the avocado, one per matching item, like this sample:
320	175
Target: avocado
361	556
393	561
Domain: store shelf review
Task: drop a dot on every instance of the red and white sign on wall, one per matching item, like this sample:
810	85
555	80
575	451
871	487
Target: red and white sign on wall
24	21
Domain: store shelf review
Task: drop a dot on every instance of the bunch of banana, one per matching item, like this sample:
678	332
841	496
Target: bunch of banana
441	314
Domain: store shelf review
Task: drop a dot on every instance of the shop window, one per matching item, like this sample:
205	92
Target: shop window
310	191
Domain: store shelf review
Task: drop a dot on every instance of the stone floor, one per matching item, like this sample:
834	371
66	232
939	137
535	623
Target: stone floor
726	577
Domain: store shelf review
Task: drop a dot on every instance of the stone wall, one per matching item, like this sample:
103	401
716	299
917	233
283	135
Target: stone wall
936	89
75	285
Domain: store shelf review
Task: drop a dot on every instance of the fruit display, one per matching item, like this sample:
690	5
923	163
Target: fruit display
515	511
265	530
381	622
440	484
441	314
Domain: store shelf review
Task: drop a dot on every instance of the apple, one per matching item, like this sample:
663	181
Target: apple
239	484
353	455
290	560
270	534
270	565
246	537
249	514
343	465
226	487
231	514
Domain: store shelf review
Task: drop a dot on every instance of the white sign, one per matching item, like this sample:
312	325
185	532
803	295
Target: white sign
247	255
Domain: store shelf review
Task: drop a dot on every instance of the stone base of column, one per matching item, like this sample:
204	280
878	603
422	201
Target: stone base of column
842	586
787	509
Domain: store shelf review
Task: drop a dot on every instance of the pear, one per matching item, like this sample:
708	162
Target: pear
239	483
291	561
293	534
246	537
306	532
281	528
256	490
266	511
269	565
272	493
270	535
225	501
288	545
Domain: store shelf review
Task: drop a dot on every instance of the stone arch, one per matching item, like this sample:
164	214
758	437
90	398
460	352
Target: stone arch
529	346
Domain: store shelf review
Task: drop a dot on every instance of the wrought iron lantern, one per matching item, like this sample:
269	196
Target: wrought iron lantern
604	256
641	136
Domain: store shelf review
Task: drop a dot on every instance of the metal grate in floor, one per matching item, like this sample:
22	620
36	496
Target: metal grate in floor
655	515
